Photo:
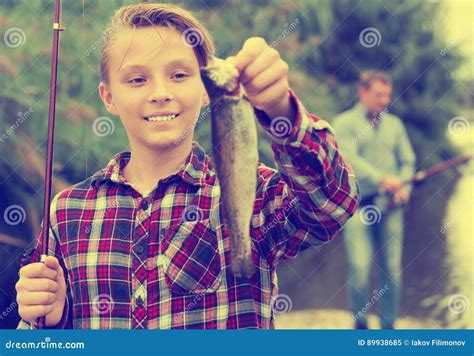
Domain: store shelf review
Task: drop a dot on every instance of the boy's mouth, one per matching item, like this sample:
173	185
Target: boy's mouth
161	118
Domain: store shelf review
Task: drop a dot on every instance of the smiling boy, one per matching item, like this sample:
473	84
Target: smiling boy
142	244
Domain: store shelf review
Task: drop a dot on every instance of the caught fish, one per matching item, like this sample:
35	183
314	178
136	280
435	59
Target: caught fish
235	148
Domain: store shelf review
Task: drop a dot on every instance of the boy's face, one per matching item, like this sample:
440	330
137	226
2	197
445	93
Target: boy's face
159	77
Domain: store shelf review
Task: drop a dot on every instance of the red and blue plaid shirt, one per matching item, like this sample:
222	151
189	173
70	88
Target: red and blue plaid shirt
163	261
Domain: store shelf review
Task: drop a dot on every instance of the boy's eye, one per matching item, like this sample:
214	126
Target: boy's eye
136	80
180	75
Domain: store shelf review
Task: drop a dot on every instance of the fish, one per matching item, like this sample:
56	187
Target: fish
235	155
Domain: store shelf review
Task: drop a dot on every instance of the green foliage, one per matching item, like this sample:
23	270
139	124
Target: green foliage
320	41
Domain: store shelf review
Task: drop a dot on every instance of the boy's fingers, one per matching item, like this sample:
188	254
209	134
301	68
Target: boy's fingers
37	285
32	312
38	270
36	298
249	52
51	262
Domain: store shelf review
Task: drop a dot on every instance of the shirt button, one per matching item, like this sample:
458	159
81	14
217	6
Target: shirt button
141	251
144	204
139	301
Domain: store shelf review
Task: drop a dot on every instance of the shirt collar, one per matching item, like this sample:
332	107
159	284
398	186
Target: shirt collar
194	169
375	120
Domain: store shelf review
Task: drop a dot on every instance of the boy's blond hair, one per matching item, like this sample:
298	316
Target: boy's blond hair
155	14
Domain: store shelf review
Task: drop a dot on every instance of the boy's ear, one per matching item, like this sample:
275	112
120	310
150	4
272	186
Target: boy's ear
106	97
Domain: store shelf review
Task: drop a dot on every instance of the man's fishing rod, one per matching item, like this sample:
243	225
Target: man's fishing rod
421	176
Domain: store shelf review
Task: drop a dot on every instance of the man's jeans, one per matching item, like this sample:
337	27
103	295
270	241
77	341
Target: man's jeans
374	245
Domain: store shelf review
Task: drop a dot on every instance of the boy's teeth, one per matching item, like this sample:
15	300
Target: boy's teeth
162	118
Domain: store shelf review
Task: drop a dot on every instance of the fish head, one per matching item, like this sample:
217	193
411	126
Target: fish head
220	78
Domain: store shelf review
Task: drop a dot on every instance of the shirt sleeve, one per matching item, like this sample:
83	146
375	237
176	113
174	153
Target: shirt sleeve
34	255
313	192
366	171
405	156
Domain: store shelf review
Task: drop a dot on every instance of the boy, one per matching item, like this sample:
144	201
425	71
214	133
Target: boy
141	244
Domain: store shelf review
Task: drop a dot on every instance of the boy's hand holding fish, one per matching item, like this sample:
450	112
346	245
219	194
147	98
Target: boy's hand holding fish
264	75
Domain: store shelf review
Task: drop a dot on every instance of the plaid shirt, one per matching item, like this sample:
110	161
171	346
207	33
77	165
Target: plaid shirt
163	261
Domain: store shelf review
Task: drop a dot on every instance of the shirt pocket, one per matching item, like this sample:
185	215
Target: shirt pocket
191	259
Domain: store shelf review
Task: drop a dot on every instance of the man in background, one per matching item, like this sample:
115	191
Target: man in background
375	143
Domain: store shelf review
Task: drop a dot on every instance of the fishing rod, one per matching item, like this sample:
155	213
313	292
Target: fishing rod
50	146
421	176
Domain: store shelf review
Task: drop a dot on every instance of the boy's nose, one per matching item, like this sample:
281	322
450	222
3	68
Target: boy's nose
160	93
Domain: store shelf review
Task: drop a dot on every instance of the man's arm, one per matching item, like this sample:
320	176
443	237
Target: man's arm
369	175
405	155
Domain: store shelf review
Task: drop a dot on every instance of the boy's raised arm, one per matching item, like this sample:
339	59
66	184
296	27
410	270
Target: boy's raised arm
313	193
